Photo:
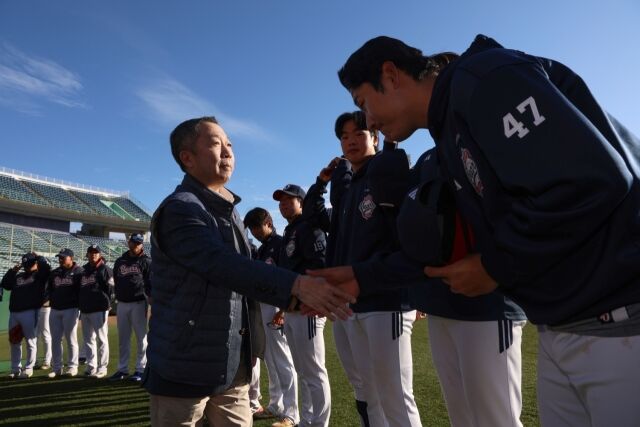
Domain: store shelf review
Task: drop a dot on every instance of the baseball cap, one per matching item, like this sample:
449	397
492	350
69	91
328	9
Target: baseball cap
94	248
291	190
29	259
389	175
426	220
65	253
137	238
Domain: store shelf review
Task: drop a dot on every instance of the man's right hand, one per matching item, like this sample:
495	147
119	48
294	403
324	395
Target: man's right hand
17	267
326	299
341	277
326	172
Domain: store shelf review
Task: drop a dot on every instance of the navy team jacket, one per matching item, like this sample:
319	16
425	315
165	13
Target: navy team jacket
63	287
27	289
549	181
303	247
131	275
429	295
269	251
94	292
358	228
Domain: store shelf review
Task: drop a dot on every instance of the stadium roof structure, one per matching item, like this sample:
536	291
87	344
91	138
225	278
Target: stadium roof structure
34	195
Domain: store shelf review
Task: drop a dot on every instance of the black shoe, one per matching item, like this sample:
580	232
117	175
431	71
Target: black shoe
82	360
137	377
118	376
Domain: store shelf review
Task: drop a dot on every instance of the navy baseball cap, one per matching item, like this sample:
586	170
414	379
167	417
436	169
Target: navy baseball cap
29	259
136	238
425	229
291	190
427	218
389	175
94	248
65	253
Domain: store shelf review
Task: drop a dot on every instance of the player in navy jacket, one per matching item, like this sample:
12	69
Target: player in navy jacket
96	289
63	286
303	248
283	392
27	295
132	286
550	184
374	344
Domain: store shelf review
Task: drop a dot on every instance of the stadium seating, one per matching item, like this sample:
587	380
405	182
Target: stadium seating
58	197
70	202
133	209
15	241
95	203
11	188
71	197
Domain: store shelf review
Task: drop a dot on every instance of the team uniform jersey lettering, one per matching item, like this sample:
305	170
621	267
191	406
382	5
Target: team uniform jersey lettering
88	280
128	270
60	282
22	281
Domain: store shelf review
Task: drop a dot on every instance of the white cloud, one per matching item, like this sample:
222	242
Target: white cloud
170	102
25	81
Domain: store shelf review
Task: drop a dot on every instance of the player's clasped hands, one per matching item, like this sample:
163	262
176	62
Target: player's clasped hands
466	276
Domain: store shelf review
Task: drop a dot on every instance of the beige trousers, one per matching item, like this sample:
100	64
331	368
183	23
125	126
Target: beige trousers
227	409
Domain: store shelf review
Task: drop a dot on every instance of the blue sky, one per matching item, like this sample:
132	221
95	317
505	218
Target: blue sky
90	90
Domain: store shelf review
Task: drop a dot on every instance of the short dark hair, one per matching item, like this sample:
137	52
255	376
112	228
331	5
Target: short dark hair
257	217
185	134
365	64
358	118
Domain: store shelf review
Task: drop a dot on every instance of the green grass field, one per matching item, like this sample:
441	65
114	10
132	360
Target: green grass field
40	401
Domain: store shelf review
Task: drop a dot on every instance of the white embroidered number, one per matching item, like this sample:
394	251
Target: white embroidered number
512	126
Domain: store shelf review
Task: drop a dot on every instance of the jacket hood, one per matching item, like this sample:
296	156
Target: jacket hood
440	97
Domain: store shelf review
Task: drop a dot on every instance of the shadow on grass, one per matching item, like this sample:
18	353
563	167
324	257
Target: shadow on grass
72	401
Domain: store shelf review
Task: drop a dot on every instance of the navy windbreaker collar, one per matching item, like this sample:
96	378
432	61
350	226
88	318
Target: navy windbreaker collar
211	198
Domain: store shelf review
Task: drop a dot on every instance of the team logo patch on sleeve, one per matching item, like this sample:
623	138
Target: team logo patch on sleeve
471	169
290	248
367	206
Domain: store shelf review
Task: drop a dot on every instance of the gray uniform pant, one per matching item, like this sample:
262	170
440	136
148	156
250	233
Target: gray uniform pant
64	323
132	316
28	320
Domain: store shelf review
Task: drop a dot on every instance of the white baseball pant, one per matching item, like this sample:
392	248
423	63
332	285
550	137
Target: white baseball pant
384	338
64	323
588	381
28	320
254	387
359	373
305	336
132	315
44	334
479	366
96	325
283	394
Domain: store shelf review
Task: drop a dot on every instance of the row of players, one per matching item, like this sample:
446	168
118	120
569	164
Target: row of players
475	342
50	303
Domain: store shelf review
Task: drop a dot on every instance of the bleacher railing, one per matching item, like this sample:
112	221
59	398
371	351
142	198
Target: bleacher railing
16	240
67	184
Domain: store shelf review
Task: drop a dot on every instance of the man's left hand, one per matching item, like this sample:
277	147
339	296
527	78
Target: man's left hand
466	276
